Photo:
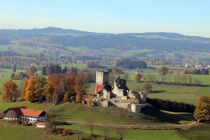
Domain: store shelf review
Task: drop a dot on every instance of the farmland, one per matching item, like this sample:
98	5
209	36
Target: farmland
112	115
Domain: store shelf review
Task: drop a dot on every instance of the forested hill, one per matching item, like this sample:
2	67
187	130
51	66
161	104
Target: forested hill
58	37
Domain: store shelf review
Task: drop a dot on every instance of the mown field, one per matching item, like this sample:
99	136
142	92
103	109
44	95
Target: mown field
15	132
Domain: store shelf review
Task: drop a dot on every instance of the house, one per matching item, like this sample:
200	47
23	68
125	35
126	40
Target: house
25	114
41	124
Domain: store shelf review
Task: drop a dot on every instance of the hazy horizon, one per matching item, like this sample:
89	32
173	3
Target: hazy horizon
137	16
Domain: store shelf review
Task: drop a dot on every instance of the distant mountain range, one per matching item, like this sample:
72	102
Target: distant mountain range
64	38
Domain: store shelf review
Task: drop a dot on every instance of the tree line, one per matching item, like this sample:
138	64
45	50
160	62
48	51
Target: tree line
171	105
131	64
166	76
53	68
55	88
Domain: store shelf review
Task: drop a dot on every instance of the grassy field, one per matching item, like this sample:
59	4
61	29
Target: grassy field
131	134
5	75
32	133
186	94
112	115
16	132
197	133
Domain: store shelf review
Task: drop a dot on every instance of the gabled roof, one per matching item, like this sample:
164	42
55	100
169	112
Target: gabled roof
17	110
26	112
31	112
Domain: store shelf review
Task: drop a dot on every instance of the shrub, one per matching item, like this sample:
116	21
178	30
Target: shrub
147	87
202	111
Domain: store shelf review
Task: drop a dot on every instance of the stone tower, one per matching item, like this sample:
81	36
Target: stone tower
101	78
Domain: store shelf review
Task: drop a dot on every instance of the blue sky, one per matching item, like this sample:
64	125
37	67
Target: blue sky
191	17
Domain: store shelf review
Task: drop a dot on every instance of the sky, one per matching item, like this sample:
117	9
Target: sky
190	17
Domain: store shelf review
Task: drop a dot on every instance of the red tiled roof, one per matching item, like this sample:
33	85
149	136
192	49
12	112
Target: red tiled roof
26	112
31	112
40	123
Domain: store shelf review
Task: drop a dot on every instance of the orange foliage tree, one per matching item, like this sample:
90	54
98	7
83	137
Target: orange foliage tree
48	92
10	91
80	84
30	89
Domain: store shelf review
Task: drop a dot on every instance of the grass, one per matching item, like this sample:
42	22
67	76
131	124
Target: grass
6	105
131	134
112	115
5	75
197	133
186	94
16	132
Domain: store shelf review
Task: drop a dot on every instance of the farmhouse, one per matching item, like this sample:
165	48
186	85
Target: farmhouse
24	114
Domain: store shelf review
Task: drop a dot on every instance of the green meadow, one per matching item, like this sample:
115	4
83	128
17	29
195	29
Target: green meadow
112	115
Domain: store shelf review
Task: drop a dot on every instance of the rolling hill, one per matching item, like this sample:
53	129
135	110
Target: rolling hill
140	45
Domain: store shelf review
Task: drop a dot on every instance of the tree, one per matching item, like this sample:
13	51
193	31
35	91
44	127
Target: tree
24	89
31	70
10	91
79	86
202	111
52	121
147	87
138	77
14	67
163	71
121	132
30	94
74	70
39	88
48	92
66	97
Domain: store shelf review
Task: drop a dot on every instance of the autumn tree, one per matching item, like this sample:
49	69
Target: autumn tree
138	77
48	92
66	97
147	87
80	86
33	89
58	81
31	70
30	94
10	91
69	83
39	88
202	111
163	71
24	89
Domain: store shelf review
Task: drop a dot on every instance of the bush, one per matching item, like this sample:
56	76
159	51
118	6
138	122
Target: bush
147	87
171	105
202	111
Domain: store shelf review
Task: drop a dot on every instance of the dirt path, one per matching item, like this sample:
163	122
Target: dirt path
141	127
